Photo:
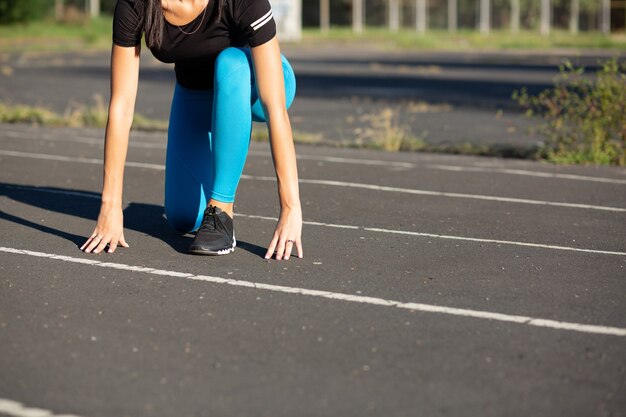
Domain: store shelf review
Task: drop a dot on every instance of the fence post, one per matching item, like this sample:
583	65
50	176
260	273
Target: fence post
420	16
544	27
515	16
485	16
452	15
58	10
94	8
574	16
605	22
288	17
394	14
358	13
324	15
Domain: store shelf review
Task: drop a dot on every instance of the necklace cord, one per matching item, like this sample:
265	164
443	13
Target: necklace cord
199	24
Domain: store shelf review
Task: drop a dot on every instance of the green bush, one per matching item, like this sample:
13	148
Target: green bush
18	11
584	118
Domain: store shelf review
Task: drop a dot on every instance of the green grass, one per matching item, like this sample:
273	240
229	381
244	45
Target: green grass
48	35
96	34
95	116
462	40
83	116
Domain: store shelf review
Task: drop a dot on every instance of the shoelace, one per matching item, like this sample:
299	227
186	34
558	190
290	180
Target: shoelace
207	224
209	221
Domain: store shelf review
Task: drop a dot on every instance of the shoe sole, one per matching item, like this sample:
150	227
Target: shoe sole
220	252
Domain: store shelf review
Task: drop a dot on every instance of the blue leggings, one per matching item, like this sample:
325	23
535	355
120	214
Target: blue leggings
209	135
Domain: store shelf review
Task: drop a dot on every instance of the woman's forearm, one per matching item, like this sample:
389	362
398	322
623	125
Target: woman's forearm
115	150
284	155
124	81
271	88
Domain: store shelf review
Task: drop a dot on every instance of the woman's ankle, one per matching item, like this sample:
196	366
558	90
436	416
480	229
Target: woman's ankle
225	207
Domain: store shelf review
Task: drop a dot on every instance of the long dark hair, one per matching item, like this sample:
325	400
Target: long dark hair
154	21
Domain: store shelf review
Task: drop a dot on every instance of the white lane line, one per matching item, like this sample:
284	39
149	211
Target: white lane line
443	194
437	236
333	183
16	409
457	168
153	145
82	139
335	226
61	158
427	308
340	160
351	227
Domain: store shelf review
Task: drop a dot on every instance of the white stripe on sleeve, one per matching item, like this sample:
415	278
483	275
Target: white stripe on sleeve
262	21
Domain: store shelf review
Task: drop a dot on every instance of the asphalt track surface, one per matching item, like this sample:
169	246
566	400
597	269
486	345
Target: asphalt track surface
441	97
432	285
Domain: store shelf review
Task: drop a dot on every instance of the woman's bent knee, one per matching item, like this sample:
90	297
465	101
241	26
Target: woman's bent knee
229	61
290	82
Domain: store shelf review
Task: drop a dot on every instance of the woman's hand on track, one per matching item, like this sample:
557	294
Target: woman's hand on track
287	234
109	231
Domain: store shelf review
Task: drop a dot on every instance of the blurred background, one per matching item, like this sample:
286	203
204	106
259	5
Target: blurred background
457	76
573	15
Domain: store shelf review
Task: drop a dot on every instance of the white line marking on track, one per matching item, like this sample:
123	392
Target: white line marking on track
341	160
133	143
444	194
433	235
61	158
336	226
333	183
16	409
427	308
351	227
154	145
457	168
501	242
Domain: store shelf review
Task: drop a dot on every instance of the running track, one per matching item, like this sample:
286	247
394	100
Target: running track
431	285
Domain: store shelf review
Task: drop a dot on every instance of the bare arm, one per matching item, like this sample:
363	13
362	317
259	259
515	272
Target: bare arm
124	81
270	81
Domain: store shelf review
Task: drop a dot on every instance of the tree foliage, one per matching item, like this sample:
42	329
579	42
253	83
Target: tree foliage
17	11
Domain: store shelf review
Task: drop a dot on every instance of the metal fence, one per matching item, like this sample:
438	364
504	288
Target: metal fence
422	15
482	15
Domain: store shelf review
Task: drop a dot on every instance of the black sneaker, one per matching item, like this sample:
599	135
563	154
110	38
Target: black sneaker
216	235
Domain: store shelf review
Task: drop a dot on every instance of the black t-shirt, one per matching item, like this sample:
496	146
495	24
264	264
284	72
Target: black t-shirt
242	22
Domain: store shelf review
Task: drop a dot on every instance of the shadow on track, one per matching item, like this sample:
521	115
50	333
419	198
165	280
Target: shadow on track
141	217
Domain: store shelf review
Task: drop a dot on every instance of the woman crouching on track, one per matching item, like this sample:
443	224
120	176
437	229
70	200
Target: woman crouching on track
229	71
